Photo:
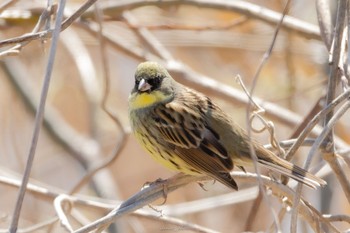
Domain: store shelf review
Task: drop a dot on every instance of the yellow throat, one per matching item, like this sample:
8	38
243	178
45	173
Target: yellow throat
143	100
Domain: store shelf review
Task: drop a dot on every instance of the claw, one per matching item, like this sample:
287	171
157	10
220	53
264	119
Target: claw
165	194
165	189
202	186
150	183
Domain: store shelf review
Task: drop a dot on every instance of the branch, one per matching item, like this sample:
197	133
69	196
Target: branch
156	191
49	33
38	118
245	8
325	22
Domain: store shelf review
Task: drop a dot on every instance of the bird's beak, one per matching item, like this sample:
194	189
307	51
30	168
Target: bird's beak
143	86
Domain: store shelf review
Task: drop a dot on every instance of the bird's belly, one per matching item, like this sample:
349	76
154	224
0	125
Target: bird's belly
163	155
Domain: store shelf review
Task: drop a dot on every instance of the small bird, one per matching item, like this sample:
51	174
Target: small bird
186	131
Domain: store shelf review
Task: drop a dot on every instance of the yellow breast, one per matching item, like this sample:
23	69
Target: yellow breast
162	155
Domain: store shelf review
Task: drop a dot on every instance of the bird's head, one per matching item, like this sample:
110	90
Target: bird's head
153	84
149	76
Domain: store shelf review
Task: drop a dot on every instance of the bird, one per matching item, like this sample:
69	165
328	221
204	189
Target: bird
185	131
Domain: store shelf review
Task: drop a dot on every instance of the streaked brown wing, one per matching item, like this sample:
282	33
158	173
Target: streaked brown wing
212	166
180	125
185	128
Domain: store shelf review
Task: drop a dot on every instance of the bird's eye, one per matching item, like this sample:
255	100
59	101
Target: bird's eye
154	82
137	82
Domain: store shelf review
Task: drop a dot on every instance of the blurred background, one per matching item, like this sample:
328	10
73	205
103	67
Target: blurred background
204	46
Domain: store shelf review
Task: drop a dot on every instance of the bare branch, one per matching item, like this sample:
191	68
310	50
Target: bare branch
325	22
39	118
49	33
245	8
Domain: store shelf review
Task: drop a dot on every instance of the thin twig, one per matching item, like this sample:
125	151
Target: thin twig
321	219
335	75
325	22
337	218
331	90
6	4
62	205
106	75
332	159
102	182
316	109
178	225
207	204
253	213
49	33
281	215
312	123
249	108
248	9
38	118
91	202
342	177
81	147
148	37
214	27
97	166
37	227
117	43
44	17
156	191
245	8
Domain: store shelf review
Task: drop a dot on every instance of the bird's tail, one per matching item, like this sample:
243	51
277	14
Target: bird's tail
293	171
